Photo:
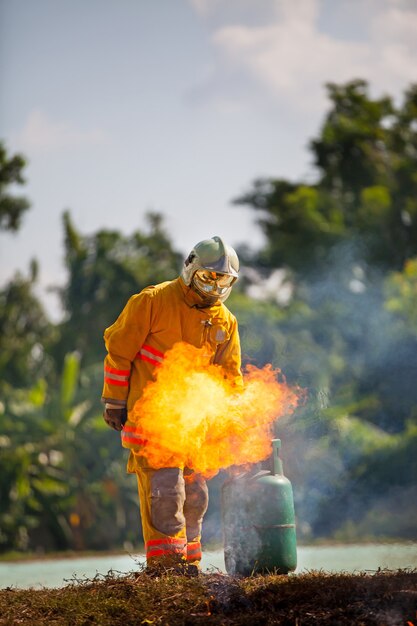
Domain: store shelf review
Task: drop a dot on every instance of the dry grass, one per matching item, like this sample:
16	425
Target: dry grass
384	598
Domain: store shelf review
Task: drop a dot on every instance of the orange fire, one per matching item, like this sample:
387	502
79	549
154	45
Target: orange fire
193	414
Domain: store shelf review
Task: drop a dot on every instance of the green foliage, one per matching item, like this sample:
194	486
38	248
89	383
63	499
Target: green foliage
352	152
59	467
365	194
401	293
11	207
348	244
25	333
377	493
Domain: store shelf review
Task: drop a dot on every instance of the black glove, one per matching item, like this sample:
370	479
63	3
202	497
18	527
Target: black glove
115	418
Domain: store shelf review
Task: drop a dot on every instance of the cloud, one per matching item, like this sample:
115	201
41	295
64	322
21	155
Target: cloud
43	134
394	36
205	7
290	58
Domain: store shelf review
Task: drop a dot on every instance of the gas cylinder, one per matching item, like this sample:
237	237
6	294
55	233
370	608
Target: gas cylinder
259	521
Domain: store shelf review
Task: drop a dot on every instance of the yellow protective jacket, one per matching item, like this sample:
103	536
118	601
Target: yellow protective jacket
149	325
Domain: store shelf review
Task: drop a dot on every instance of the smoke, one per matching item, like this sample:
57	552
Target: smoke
358	364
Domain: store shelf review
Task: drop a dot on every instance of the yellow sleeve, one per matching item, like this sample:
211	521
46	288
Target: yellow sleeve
123	339
229	355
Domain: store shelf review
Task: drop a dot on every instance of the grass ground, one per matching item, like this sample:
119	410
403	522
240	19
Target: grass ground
383	599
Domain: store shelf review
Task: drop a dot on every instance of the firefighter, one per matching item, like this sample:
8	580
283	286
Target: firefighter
173	500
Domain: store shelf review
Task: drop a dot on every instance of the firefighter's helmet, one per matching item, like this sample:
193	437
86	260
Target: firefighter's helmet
210	269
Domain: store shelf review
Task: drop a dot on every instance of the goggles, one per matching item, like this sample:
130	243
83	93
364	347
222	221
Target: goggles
213	282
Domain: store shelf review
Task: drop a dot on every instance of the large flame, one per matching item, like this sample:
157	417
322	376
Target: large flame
193	414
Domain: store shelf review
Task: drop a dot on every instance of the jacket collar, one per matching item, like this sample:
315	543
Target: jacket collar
191	298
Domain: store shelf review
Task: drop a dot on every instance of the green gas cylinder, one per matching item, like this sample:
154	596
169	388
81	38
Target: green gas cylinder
259	521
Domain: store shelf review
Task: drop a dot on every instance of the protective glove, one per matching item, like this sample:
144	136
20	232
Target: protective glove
115	417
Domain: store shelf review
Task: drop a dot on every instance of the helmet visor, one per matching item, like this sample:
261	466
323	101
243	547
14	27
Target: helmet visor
213	282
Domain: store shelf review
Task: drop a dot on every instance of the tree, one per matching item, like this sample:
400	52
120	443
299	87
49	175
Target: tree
401	294
352	151
25	333
11	207
59	466
348	245
364	199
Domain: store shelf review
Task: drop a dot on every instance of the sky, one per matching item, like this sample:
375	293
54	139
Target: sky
122	107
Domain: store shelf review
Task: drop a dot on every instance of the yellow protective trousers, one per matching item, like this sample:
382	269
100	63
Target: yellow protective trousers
173	502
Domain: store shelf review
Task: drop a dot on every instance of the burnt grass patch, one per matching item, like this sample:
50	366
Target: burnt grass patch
384	598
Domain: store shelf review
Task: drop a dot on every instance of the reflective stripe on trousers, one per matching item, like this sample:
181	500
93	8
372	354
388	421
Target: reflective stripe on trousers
194	551
168	546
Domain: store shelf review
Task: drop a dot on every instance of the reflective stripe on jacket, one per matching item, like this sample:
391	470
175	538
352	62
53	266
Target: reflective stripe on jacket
149	325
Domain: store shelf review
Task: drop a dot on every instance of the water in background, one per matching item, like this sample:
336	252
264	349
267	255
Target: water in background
352	558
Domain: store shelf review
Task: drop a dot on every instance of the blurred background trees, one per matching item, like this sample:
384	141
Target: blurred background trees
329	299
12	207
348	244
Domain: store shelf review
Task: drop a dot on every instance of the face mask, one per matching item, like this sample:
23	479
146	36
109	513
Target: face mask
212	283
